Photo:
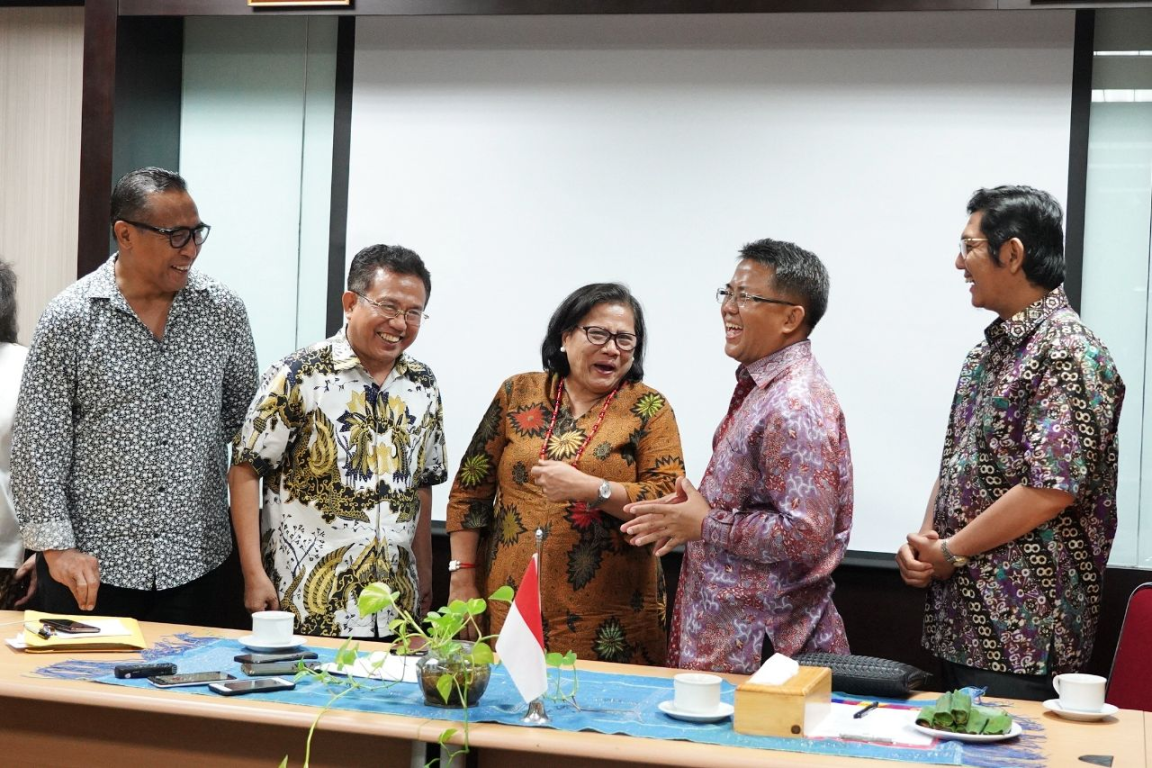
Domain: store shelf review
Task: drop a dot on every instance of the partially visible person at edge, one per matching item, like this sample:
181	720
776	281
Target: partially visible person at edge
564	450
17	574
136	381
348	436
771	520
1020	522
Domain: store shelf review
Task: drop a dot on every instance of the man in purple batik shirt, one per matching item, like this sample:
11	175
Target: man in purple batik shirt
771	519
1015	540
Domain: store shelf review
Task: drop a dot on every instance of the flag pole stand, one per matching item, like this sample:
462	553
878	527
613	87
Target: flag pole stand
536	714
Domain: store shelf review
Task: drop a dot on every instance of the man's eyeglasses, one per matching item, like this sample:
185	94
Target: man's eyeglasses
390	311
625	342
742	298
178	237
969	244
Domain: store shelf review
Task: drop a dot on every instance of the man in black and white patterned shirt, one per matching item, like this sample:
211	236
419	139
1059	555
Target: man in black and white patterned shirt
137	378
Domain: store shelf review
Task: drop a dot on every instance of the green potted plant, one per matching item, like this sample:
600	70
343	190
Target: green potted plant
453	672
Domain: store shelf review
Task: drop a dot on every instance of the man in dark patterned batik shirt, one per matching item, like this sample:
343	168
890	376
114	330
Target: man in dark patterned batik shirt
136	380
1018	529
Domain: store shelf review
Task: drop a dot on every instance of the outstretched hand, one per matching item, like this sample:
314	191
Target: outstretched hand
668	522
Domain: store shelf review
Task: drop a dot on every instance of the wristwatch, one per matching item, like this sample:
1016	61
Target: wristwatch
456	565
953	560
604	493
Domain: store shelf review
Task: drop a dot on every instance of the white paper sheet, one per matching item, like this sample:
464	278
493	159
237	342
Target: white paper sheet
380	666
883	725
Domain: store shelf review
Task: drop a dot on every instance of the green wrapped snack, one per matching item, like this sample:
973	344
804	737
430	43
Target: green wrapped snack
998	723
943	719
977	720
927	716
961	708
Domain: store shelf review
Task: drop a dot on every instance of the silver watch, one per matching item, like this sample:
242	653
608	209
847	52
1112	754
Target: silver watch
956	561
604	493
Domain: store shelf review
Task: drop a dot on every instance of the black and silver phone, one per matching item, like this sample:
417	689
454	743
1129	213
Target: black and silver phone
70	627
189	678
267	658
237	687
277	668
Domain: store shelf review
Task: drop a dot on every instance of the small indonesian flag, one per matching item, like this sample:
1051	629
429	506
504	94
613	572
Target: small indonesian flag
521	641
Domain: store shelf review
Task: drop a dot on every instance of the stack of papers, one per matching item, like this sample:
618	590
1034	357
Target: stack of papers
116	634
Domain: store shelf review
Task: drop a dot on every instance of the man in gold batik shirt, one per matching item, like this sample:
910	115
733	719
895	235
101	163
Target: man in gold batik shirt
348	437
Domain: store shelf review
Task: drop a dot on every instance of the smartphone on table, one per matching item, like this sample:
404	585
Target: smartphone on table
277	668
189	678
237	687
265	658
68	626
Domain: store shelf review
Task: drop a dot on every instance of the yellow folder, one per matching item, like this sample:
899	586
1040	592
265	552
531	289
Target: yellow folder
60	641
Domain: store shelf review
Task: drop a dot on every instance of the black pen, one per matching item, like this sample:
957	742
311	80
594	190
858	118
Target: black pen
866	710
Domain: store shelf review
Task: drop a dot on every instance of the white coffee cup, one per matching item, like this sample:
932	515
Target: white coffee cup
696	693
1079	692
272	627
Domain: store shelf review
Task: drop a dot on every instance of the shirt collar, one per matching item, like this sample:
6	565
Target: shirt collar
103	285
1021	324
764	370
344	357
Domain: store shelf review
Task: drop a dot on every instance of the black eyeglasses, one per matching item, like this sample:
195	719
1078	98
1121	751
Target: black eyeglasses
742	298
178	237
625	342
390	311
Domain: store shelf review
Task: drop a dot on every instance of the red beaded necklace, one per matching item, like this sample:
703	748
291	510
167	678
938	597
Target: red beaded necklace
595	429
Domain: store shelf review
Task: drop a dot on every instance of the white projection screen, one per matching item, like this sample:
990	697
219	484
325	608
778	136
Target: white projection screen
523	157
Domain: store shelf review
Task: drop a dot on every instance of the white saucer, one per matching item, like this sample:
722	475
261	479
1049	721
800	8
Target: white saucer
1053	706
1013	732
255	644
722	711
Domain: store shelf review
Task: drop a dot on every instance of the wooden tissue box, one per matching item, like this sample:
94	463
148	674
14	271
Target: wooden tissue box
791	709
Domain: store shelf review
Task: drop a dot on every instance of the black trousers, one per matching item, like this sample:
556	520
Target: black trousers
1003	684
193	603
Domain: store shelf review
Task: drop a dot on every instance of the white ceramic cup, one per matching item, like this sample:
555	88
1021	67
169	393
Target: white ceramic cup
696	693
1082	693
272	627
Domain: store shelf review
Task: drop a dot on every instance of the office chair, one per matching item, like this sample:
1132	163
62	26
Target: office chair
1128	685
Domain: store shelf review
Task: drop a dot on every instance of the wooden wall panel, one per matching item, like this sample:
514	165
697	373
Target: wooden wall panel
41	69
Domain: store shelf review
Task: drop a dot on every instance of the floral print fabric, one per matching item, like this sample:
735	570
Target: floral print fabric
120	441
342	459
780	488
1037	404
602	597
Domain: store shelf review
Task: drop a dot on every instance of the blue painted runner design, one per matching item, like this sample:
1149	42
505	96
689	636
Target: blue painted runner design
613	704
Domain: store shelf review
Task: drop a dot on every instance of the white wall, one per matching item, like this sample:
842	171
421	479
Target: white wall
523	157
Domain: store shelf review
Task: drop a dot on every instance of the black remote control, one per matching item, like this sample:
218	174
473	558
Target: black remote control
143	669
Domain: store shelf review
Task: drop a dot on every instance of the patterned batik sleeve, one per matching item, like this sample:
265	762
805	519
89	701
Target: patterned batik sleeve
273	419
239	372
474	489
1071	413
659	457
799	462
432	468
42	437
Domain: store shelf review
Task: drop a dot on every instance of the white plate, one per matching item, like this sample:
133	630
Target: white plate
723	711
255	644
1013	732
1053	706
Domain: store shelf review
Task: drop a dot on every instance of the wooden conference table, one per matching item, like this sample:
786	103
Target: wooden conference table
45	722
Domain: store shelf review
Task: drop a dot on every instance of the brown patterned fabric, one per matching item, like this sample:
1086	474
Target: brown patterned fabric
601	597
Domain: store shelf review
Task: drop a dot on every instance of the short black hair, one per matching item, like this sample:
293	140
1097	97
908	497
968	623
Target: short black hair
574	308
797	273
1032	215
131	193
394	258
7	304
